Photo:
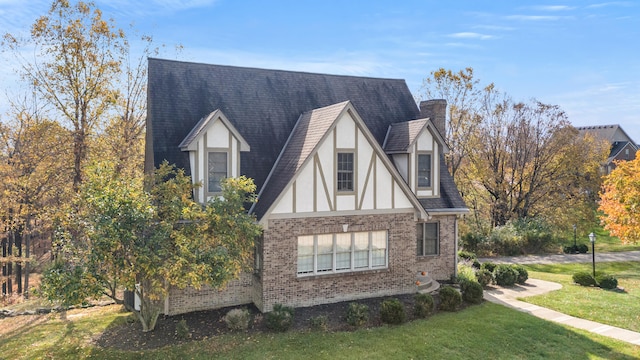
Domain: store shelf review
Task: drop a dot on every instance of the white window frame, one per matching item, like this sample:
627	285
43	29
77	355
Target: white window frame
340	172
421	251
430	155
208	172
352	268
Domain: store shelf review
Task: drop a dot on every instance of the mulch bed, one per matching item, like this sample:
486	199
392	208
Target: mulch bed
207	324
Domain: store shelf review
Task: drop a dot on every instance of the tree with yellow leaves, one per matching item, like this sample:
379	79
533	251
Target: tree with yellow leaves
620	201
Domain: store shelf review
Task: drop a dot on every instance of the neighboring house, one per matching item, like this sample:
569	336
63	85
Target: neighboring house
622	147
354	197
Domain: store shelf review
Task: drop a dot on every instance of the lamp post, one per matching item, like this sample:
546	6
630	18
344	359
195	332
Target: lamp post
592	238
575	244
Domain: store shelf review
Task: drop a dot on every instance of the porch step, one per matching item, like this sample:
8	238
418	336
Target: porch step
426	283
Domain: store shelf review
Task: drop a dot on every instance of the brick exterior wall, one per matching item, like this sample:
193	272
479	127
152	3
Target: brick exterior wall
279	274
441	266
237	292
278	281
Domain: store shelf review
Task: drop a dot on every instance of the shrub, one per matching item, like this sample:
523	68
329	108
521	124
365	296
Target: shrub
423	305
474	241
484	276
523	274
280	318
488	265
583	249
319	323
571	249
584	278
450	299
182	330
505	275
392	312
237	319
467	255
465	274
472	292
605	281
357	314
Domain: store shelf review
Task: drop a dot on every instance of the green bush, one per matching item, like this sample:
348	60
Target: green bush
583	249
357	314
392	312
605	281
182	330
450	299
488	265
484	276
467	255
584	278
472	292
523	274
570	249
237	319
465	273
280	318
473	241
319	323
423	305
505	275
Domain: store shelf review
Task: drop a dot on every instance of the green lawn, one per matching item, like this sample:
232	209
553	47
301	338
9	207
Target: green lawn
479	332
607	243
621	309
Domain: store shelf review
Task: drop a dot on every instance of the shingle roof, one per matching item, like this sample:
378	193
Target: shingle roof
402	135
311	127
263	105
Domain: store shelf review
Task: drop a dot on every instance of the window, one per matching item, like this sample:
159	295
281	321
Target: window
424	170
428	238
341	252
217	170
345	172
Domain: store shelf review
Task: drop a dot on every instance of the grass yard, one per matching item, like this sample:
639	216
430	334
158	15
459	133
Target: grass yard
621	309
607	243
478	332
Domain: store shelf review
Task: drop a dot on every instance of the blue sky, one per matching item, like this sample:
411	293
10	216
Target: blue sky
581	55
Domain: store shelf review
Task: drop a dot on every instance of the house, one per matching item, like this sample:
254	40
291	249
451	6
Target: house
354	197
622	147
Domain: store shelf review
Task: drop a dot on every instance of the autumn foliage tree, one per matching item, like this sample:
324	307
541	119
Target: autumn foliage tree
512	159
78	56
620	201
148	242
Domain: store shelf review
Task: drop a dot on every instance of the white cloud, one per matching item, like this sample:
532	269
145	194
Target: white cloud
612	3
553	8
536	17
471	35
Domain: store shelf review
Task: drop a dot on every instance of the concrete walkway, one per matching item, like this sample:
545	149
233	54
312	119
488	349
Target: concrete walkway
565	258
508	296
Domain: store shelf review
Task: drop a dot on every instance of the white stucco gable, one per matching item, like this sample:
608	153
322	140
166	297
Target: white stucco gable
214	147
345	172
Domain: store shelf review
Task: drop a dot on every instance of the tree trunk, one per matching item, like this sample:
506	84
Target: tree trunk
3	279
27	245
18	242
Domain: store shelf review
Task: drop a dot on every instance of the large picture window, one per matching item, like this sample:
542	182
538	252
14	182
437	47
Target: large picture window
342	252
428	238
217	171
345	171
424	170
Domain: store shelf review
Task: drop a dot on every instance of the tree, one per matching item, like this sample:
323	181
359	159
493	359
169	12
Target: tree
151	241
78	56
33	169
620	201
462	92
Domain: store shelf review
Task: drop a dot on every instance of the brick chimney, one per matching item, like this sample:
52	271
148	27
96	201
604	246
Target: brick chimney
436	111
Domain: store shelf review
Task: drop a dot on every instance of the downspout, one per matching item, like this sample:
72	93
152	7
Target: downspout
455	254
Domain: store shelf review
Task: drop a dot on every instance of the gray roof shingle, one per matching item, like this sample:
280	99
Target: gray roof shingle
402	135
264	107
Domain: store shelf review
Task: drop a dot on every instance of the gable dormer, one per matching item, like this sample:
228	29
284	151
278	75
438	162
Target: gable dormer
415	148
214	147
